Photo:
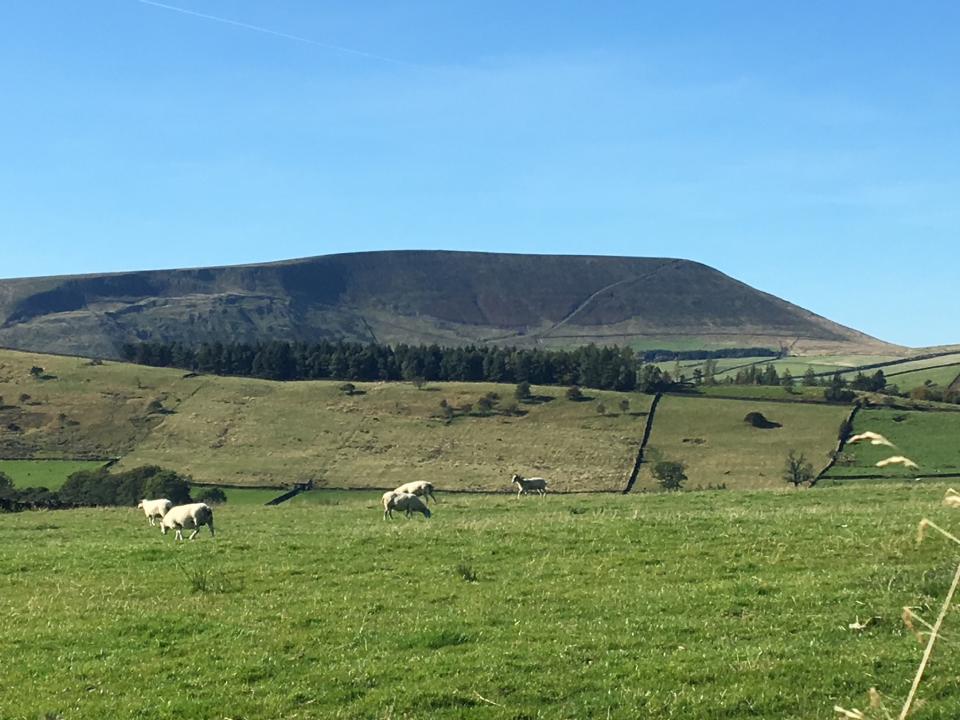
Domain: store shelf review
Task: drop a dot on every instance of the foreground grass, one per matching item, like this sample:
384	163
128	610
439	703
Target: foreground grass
698	605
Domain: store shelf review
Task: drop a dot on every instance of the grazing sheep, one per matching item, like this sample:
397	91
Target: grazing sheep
418	487
952	498
408	502
537	484
195	516
387	501
154	509
897	460
874	438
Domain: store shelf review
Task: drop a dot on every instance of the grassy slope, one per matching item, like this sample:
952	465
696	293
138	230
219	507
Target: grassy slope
242	430
719	605
927	438
711	437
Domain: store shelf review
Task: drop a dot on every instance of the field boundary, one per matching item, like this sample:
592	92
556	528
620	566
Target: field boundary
648	428
841	441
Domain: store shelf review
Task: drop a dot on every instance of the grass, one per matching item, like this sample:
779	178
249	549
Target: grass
50	474
688	605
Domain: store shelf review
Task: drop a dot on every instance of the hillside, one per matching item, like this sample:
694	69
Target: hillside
450	298
257	432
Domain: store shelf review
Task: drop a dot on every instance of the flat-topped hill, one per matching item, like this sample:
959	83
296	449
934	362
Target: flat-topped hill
448	298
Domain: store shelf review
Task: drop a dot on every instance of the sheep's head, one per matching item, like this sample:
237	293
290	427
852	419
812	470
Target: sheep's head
163	528
140	505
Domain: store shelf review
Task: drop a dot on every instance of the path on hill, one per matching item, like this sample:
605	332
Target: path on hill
564	320
643	443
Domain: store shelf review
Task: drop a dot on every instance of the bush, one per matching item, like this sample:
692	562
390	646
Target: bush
797	470
522	391
670	475
574	393
212	496
100	488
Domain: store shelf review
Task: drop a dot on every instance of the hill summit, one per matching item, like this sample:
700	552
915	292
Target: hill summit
417	296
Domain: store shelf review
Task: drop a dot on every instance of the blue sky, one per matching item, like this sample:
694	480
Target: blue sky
810	149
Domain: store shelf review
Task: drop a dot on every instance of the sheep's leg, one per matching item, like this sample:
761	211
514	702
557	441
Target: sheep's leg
152	523
179	534
195	532
210	525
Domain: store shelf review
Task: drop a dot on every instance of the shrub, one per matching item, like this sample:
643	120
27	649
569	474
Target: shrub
797	470
574	393
670	475
212	496
522	391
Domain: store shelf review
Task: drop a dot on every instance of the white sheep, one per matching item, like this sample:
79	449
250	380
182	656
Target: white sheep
952	498
418	487
408	502
195	516
154	509
525	485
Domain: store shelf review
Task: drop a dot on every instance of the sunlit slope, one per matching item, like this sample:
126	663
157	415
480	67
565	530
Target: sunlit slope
253	431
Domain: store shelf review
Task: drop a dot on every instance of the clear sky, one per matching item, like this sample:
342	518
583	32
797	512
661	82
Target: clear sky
810	149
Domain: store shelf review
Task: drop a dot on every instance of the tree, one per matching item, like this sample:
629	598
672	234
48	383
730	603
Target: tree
670	474
347	388
574	393
797	470
522	391
624	405
601	409
36	371
6	486
837	390
809	377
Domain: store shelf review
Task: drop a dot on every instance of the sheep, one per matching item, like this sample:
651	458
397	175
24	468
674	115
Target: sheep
418	487
195	516
154	509
874	438
387	501
952	498
897	460
408	502
537	484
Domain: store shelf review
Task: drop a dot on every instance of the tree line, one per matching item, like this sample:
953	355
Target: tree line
608	368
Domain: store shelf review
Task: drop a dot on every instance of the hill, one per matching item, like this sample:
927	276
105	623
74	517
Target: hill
448	298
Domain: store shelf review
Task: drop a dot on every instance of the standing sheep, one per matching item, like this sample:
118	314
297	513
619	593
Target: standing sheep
408	502
195	516
537	484
154	509
418	487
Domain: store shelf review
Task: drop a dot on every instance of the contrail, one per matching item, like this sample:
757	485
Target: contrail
276	33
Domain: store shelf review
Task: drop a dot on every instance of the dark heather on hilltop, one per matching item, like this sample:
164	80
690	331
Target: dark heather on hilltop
447	298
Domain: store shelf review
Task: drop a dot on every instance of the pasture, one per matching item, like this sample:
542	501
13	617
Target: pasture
50	474
693	605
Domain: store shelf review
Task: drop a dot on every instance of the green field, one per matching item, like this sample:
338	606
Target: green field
930	439
50	474
694	605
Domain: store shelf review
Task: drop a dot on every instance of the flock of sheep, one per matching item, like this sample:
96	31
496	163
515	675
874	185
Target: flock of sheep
406	498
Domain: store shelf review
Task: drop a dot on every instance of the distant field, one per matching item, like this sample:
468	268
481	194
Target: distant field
929	439
50	474
722	605
718	447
